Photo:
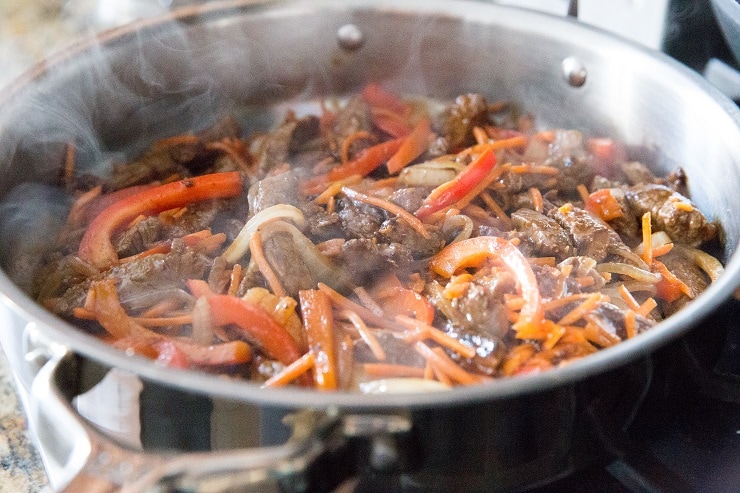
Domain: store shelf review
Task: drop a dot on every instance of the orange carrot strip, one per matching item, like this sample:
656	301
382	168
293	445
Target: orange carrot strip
534	169
630	325
481	137
366	334
336	187
396	209
363	312
291	372
318	327
683	206
646	307
542	261
444	363
258	254
518	141
630	300
388	370
480	187
440	375
160	308
578	312
662	249
234	279
163	321
368	301
583	192
647	238
670	284
426	331
537	200
69	164
495	208
229	148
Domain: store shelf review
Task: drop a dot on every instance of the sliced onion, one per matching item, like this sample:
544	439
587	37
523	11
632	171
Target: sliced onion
321	268
458	222
659	238
402	386
429	173
628	270
240	245
706	262
202	322
629	255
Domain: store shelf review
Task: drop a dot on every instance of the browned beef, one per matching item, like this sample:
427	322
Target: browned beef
689	227
410	198
581	268
689	273
275	147
364	260
637	173
589	234
567	152
306	131
139	237
360	220
287	263
153	165
352	117
273	190
398	231
456	122
611	317
397	351
544	236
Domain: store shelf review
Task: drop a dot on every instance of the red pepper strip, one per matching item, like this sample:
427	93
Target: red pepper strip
603	204
474	252
376	96
257	324
318	326
403	301
114	319
412	147
367	160
393	124
96	247
102	202
455	189
670	288
199	288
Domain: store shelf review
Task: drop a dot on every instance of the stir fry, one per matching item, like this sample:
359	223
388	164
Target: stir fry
382	244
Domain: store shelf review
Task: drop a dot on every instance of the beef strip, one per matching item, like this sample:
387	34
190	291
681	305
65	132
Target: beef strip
363	259
590	235
273	190
287	264
397	351
353	117
688	227
410	198
611	318
543	235
275	147
637	173
398	231
359	220
139	237
456	122
689	273
153	165
567	152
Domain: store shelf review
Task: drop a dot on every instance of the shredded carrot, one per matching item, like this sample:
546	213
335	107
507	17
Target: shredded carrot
291	372
368	300
516	358
442	362
585	281
495	208
389	206
629	300
335	187
550	261
350	139
534	169
554	334
481	186
163	321
630	325
234	279
583	192
160	248
578	312
662	249
176	140
647	238
561	302
537	200
331	205
671	278
69	165
481	137
234	149
513	301
367	315
421	331
258	254
388	370
683	206
646	307
160	308
366	334
429	371
596	334
519	141
440	375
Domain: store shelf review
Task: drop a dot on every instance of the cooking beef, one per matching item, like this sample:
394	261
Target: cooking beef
306	132
544	236
396	351
637	173
410	198
688	227
360	220
273	190
364	259
153	165
590	235
287	263
568	154
611	318
689	273
398	231
275	147
456	122
139	237
352	117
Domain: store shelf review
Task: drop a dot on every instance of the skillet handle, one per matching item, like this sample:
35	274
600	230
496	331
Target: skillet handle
83	460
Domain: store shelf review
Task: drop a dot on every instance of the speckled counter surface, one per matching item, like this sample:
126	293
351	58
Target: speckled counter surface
20	466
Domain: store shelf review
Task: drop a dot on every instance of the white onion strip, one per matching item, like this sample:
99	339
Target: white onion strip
240	245
628	270
706	262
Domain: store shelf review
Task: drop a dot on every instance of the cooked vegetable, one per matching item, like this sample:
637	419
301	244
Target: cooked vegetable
380	247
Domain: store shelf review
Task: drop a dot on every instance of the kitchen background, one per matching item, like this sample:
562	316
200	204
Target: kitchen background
31	29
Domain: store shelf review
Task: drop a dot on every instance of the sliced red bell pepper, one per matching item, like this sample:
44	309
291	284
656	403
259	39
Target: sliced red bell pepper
377	97
257	325
474	252
454	190
396	299
603	204
318	326
367	161
96	246
416	143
